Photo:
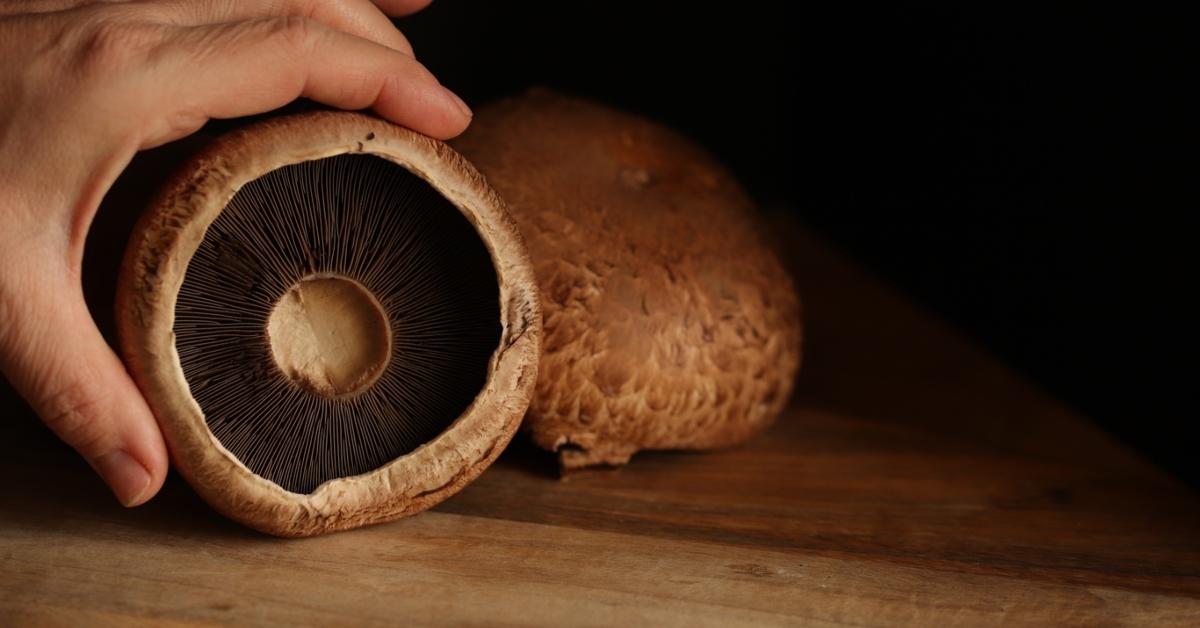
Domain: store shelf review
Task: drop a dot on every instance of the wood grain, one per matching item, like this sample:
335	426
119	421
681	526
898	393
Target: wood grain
913	481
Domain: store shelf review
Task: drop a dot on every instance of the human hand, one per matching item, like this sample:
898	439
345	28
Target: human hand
84	85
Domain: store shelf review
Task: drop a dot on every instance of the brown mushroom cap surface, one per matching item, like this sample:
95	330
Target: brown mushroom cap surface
323	354
669	321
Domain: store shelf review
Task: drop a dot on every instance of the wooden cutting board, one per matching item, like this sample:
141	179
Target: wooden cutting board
914	481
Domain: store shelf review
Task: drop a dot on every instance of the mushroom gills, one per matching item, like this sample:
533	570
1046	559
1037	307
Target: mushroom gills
338	314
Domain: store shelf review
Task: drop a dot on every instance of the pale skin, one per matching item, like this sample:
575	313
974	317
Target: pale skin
84	85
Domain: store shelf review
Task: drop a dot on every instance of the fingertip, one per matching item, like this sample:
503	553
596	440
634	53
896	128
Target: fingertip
133	460
400	8
147	447
458	103
457	117
61	363
429	109
130	481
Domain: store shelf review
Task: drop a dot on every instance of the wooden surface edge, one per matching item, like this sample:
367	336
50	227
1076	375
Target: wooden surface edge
450	569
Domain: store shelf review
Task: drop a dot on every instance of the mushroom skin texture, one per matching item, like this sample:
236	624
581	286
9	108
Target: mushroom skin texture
169	233
669	320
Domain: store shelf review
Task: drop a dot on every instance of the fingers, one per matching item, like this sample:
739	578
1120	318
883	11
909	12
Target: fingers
56	358
356	17
230	70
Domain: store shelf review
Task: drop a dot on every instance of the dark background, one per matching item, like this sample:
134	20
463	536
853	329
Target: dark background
1018	171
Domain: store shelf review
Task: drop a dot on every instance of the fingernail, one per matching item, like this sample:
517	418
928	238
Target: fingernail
462	106
127	478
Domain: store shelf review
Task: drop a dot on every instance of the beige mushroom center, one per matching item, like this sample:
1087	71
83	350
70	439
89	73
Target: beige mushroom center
330	335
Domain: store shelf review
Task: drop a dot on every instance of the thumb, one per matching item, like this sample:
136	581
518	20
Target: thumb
52	352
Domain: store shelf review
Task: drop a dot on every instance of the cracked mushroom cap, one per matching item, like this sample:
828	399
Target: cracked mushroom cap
334	320
669	321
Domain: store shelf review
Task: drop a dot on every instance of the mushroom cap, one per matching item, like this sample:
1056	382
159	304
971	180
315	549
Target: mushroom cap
168	235
669	321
